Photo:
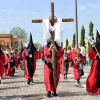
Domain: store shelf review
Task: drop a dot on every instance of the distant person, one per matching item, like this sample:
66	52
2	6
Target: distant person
11	65
83	52
73	50
65	59
30	55
78	65
6	64
2	61
87	60
69	51
4	51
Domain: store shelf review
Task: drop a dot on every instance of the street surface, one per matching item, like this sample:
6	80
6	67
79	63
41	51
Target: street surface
16	88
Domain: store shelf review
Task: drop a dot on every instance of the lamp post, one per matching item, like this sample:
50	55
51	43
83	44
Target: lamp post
76	24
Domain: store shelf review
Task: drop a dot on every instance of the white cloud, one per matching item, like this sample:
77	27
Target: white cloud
17	16
94	6
3	22
82	8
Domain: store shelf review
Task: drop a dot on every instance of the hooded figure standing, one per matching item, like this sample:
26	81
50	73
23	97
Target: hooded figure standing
21	65
93	80
42	53
48	70
30	56
2	61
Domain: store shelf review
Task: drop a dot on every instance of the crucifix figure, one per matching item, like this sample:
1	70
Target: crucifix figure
53	20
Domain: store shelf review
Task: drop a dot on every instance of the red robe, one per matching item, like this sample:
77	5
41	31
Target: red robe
49	86
19	59
39	54
75	67
92	77
2	61
62	65
10	72
16	60
70	57
42	54
26	72
6	63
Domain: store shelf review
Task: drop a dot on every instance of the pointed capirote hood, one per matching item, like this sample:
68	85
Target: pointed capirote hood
97	36
30	44
31	41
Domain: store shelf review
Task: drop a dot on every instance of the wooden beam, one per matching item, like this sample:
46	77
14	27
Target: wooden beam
63	20
67	20
37	21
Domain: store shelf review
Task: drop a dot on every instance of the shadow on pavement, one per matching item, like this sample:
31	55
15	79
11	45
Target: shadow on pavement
13	82
9	88
68	93
23	97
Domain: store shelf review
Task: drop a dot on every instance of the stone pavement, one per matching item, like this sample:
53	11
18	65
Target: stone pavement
16	88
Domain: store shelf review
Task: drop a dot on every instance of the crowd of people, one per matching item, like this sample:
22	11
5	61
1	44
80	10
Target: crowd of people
26	57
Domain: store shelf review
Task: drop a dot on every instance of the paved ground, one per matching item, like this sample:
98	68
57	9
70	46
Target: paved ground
16	88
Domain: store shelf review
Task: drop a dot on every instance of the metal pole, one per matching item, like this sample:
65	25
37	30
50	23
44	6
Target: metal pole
76	24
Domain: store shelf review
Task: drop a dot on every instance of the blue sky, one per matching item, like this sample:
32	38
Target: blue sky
19	13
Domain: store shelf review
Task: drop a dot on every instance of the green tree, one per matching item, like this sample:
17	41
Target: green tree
38	45
73	41
17	32
67	42
90	33
82	40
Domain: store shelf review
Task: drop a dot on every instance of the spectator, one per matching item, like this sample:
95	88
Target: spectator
83	51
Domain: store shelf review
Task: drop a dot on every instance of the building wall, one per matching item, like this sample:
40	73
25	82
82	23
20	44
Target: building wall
8	40
17	42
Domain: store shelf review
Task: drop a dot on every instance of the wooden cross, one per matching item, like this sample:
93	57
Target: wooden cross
53	20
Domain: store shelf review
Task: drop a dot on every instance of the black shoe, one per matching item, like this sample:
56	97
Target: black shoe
32	81
28	82
13	75
48	94
65	76
78	82
54	94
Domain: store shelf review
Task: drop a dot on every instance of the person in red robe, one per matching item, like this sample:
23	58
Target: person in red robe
93	79
39	54
2	61
16	58
21	61
78	65
11	65
30	55
69	51
42	53
6	63
48	74
64	62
